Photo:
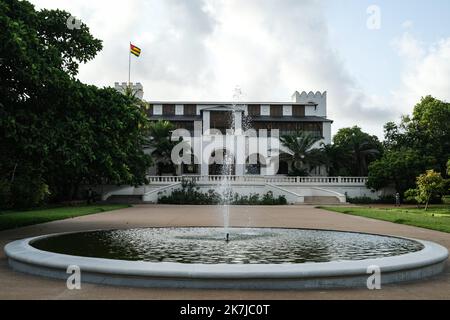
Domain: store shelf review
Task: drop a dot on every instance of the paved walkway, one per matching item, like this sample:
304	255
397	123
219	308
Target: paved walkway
15	285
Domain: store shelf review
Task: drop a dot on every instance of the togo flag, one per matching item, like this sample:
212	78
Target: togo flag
135	50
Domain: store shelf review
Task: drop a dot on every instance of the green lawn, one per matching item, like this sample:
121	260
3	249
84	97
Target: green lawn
16	219
436	218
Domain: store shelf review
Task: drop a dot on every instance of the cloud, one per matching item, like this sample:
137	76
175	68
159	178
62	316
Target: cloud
407	46
203	49
407	24
426	70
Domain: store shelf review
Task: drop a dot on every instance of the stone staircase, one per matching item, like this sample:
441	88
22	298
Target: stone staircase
322	200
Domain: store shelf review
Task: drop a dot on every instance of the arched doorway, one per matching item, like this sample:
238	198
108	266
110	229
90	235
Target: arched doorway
283	168
222	163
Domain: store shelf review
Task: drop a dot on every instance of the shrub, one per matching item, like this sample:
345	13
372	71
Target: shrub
360	200
24	193
189	194
28	192
268	199
5	194
411	196
389	199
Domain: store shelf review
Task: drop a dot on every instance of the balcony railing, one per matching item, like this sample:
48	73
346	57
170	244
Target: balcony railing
351	181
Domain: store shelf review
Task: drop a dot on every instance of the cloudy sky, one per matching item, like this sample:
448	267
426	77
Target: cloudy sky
374	58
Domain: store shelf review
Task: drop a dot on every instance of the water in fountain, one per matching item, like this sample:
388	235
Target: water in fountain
246	246
228	166
225	189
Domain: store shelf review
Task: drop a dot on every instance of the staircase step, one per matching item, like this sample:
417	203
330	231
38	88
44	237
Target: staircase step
321	200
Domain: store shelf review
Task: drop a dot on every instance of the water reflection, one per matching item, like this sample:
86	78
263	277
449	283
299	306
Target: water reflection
246	246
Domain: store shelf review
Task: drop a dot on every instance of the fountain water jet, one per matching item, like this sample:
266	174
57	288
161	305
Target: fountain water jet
228	165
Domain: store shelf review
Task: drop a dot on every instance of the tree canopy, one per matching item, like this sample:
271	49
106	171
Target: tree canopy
428	184
54	130
161	145
300	150
359	148
428	130
420	142
398	168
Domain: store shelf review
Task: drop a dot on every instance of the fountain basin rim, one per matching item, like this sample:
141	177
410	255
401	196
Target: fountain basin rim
21	252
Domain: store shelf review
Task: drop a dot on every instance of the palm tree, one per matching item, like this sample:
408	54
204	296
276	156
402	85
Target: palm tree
335	159
360	147
299	150
161	145
362	152
132	94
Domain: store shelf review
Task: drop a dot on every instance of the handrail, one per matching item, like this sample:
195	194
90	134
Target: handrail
261	179
299	198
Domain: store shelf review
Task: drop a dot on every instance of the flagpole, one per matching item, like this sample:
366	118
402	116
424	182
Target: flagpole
129	65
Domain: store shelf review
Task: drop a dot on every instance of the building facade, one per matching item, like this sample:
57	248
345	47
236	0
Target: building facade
306	112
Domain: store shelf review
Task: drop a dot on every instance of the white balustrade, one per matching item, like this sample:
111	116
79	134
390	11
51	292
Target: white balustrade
355	181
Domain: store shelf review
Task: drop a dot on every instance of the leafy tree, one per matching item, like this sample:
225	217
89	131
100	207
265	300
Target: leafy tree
420	142
360	147
54	129
398	168
427	130
394	136
300	151
39	58
100	141
428	184
161	145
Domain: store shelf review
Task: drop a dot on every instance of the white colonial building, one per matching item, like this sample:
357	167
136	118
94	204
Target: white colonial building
220	130
211	120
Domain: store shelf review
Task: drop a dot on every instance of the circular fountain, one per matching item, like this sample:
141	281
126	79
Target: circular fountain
252	258
234	258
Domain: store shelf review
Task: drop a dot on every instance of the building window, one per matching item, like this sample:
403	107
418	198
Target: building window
298	111
188	125
276	111
221	120
190	109
169	109
291	128
254	110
